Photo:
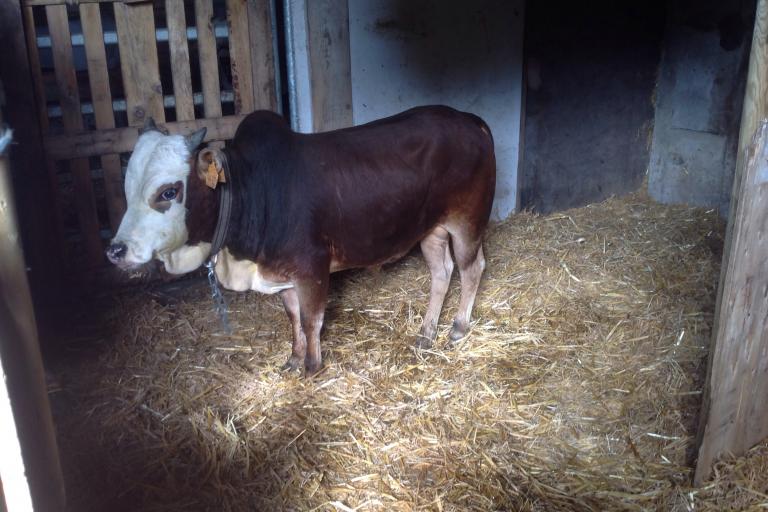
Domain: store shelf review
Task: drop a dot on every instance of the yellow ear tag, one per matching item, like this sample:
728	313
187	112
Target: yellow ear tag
212	176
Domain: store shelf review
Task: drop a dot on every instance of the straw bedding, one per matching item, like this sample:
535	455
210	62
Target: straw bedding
577	389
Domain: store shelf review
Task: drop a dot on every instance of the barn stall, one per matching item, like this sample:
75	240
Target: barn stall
616	354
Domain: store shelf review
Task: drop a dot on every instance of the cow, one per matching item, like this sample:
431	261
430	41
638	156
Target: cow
303	206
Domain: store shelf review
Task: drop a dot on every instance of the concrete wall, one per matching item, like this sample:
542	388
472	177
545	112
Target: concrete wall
467	55
698	102
590	70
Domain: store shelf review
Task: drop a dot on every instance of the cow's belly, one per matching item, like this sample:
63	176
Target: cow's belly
243	275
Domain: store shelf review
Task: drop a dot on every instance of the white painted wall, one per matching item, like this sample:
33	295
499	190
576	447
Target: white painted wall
406	53
467	55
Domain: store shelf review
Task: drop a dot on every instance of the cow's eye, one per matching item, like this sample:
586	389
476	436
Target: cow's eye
168	194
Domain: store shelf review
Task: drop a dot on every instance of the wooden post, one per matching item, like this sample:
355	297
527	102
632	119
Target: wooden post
209	62
39	221
22	365
182	77
138	61
329	63
262	54
715	438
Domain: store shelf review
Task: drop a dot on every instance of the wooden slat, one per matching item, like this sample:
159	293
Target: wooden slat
80	2
138	60
240	55
73	122
122	140
262	54
42	117
177	40
738	415
329	64
32	214
209	63
34	64
23	375
98	76
754	108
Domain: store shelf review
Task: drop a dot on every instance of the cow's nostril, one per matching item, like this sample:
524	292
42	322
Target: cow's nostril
116	252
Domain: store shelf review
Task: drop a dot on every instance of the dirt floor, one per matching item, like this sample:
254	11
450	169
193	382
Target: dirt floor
577	389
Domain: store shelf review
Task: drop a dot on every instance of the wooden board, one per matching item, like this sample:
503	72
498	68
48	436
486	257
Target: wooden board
122	140
81	2
138	60
209	62
69	100
738	416
34	65
27	78
329	63
182	78
23	367
755	107
262	55
101	97
240	55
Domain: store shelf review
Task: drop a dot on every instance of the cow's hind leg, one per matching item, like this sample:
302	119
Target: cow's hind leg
437	253
471	261
299	346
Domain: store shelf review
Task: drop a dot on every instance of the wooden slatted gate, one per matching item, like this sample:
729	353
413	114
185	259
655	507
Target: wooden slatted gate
101	67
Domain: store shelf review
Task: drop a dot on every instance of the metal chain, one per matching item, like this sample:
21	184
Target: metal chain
219	303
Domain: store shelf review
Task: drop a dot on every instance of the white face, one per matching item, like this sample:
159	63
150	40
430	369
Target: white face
155	190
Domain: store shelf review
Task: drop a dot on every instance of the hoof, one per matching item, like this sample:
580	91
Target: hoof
291	365
312	367
422	342
457	333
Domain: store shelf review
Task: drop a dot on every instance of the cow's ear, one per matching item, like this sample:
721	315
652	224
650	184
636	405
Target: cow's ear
195	139
205	158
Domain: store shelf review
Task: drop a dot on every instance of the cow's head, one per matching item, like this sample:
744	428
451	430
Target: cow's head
155	184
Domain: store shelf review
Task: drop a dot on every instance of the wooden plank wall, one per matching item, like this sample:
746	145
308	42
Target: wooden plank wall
250	43
329	62
69	100
732	416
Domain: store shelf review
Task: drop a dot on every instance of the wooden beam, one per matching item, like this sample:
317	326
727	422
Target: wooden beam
22	363
122	140
755	108
209	61
240	55
180	72
262	54
138	60
69	99
738	413
41	221
98	77
329	64
32	3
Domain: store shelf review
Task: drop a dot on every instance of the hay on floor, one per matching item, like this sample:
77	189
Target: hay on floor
578	388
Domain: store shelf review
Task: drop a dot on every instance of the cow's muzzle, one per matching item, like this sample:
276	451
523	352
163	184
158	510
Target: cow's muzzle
116	253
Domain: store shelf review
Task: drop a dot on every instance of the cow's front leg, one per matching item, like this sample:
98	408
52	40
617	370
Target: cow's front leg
299	345
312	294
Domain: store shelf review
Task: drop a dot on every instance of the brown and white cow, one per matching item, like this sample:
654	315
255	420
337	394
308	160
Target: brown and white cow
304	206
